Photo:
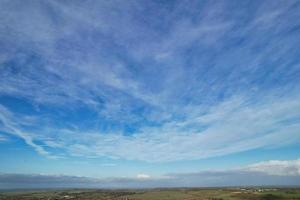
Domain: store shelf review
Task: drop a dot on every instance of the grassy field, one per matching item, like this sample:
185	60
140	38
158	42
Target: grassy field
158	194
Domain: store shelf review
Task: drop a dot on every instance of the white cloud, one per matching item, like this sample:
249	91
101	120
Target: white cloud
277	167
143	176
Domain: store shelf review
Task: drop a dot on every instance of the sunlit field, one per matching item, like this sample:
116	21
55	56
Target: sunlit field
159	194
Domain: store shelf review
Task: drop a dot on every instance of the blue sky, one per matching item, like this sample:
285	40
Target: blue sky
145	89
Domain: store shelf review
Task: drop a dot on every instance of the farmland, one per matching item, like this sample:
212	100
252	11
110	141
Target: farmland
158	194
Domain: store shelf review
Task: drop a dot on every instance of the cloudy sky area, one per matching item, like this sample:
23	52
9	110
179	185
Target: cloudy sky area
149	93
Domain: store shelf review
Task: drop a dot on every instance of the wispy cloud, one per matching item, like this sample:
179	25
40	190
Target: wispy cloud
99	81
3	138
11	125
246	126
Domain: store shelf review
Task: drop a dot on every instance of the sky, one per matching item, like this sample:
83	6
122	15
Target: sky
149	93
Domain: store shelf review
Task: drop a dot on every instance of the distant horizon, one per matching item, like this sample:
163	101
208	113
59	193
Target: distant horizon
240	177
154	188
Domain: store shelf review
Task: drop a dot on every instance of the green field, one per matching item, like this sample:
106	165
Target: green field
159	194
